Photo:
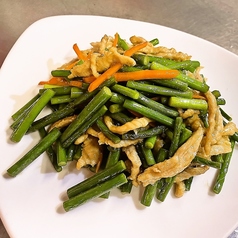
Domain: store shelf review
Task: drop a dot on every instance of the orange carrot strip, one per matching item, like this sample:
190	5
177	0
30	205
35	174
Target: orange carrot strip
61	82
103	77
135	48
146	74
113	69
79	52
76	83
89	79
115	40
53	80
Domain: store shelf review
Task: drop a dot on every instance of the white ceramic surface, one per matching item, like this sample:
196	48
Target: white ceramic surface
31	203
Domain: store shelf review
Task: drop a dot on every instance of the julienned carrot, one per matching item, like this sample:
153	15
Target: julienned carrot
146	74
135	48
79	52
59	81
115	40
103	77
139	75
75	83
89	79
113	69
54	81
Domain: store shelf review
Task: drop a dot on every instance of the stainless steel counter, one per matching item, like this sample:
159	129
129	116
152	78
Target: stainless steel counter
213	20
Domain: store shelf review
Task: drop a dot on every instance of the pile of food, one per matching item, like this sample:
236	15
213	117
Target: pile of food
134	113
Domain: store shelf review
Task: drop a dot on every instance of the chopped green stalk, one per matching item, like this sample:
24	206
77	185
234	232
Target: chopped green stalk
150	142
76	92
36	151
148	155
59	91
221	101
98	101
69	108
225	115
154	131
192	83
155	89
188	183
60	73
185	65
162	155
210	163
186	103
172	64
51	118
120	117
204	117
31	115
140	153
185	134
139	58
95	192
169	134
126	187
149	194
18	121
50	152
154	42
117	98
70	152
224	169
122	43
145	111
176	136
218	158
216	93
77	153
61	154
97	179
114	108
152	104
60	99
50	86
167	185
164	100
82	129
25	109
173	83
125	91
104	129
113	158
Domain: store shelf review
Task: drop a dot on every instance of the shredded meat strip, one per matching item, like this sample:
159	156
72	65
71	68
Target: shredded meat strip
91	153
128	126
160	51
63	122
136	163
177	163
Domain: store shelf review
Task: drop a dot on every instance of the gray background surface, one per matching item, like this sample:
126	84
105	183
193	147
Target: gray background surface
213	20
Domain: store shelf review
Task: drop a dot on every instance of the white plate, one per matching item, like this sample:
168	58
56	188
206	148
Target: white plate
31	203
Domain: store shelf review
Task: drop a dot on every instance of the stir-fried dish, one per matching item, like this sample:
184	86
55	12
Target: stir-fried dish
136	114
